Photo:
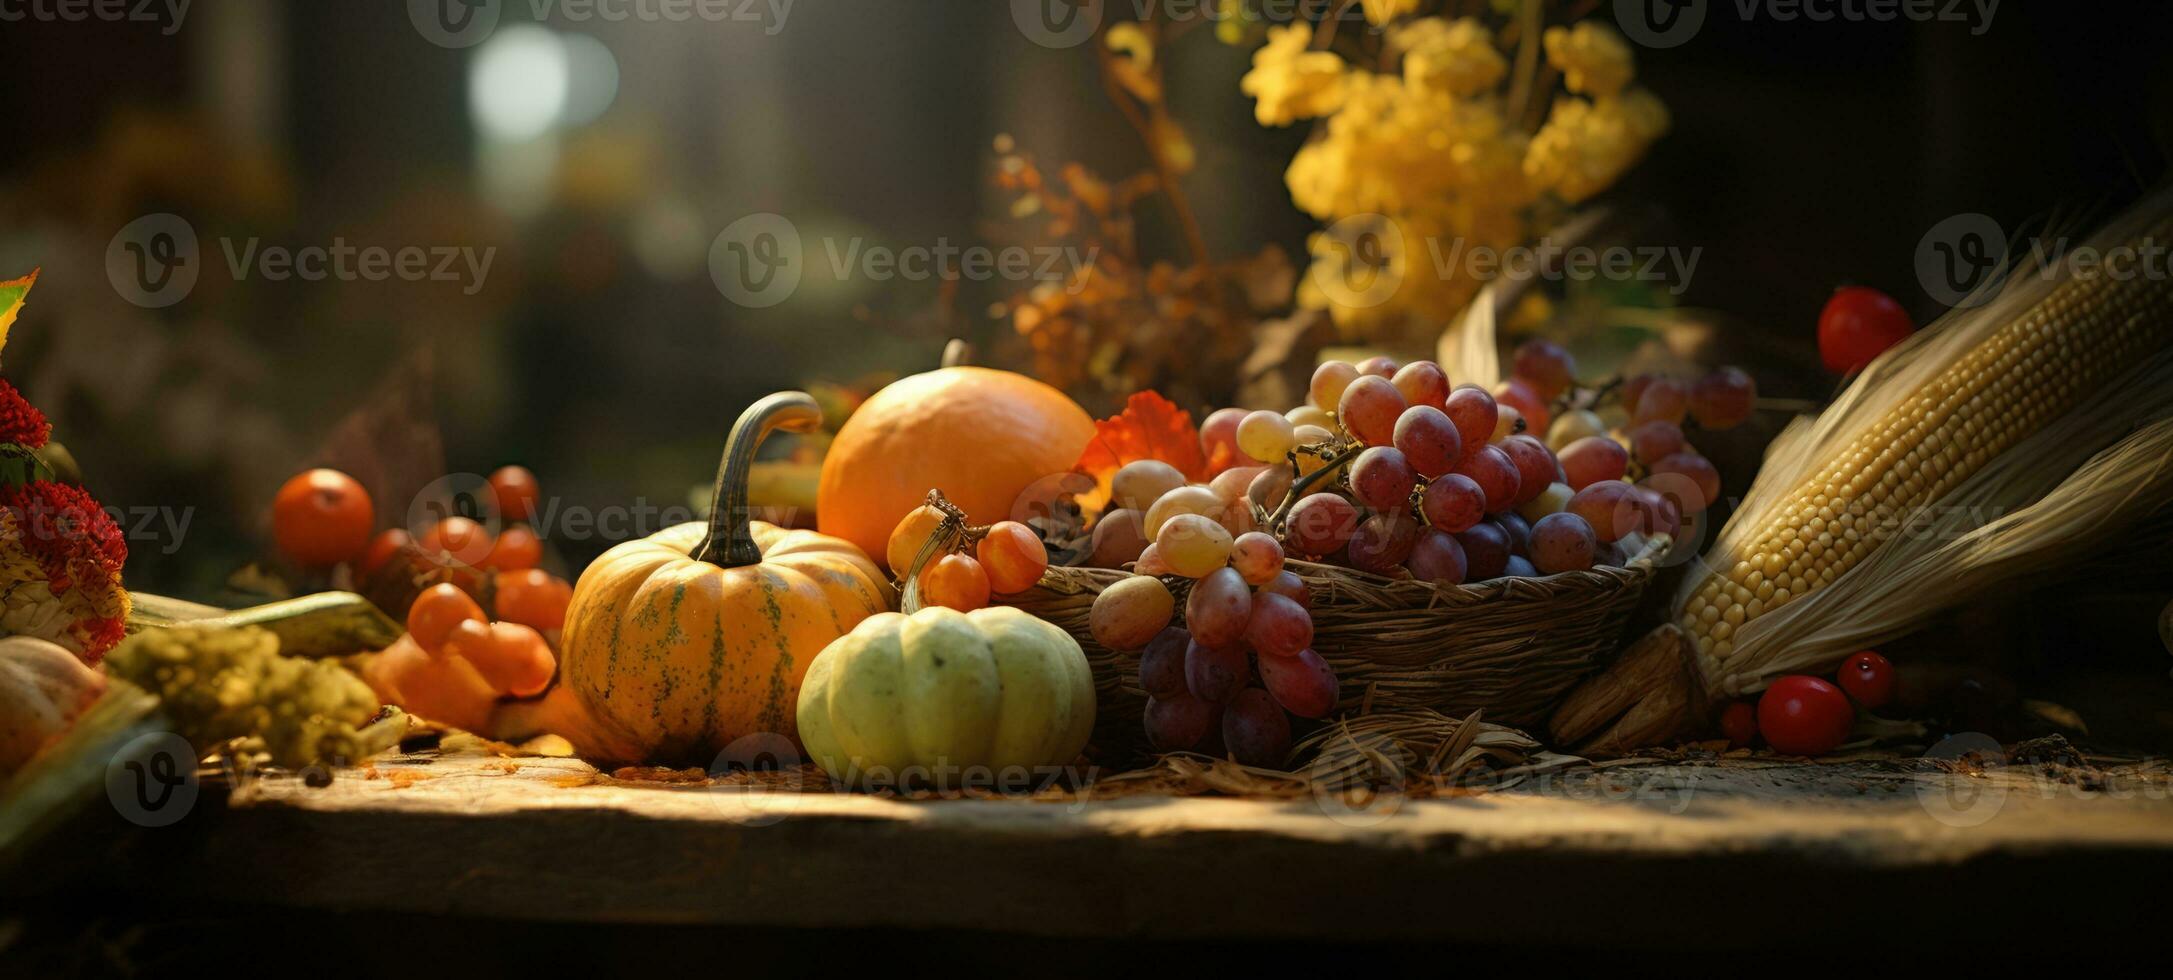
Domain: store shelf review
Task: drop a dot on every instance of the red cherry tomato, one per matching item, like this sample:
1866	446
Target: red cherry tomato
532	597
1869	678
516	491
437	612
1739	722
517	548
322	517
1858	325
1802	715
465	540
387	544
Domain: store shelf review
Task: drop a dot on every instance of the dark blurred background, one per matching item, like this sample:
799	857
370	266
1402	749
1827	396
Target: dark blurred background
597	161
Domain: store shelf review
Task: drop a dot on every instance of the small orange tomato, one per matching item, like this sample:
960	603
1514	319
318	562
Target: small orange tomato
387	544
437	612
516	491
906	539
513	658
1013	556
322	517
532	597
956	581
517	548
464	540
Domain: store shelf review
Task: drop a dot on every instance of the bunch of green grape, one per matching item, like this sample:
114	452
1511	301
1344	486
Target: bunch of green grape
218	685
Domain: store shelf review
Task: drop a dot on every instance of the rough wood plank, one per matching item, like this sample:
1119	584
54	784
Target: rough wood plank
1632	854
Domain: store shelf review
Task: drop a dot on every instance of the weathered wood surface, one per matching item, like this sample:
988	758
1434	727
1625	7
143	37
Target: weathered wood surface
1643	853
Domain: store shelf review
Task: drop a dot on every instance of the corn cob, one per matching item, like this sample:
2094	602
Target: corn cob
2082	335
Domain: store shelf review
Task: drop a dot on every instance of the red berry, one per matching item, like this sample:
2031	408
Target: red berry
1857	325
1802	715
1739	722
1869	678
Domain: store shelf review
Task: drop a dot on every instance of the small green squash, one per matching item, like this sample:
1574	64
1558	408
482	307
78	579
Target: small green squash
994	698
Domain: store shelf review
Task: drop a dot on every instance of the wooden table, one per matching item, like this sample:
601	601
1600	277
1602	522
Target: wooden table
1735	853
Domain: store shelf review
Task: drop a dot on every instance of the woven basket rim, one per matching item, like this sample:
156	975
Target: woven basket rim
1407	592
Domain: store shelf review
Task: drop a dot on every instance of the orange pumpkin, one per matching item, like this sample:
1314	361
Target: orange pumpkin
979	435
680	643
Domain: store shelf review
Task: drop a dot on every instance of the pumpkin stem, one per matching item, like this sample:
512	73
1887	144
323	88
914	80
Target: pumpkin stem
957	353
729	543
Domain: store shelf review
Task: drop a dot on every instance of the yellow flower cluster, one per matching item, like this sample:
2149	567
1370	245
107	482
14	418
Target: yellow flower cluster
1289	81
1585	145
1593	60
1455	57
1416	168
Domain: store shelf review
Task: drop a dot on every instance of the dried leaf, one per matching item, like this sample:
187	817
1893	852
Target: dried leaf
1150	427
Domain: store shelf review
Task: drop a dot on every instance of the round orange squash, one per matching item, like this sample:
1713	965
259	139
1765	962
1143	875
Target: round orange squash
981	436
680	643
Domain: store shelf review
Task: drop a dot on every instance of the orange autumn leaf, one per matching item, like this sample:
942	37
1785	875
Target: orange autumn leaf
1150	427
12	294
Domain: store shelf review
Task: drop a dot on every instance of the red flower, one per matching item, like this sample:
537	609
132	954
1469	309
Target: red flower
20	421
71	536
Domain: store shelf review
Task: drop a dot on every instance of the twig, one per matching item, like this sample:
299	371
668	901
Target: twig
1531	16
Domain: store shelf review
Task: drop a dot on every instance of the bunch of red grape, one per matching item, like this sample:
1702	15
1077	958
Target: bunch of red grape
1445	484
1388	469
1247	619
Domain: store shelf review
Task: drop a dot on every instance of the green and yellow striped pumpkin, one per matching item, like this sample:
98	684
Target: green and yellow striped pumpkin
684	641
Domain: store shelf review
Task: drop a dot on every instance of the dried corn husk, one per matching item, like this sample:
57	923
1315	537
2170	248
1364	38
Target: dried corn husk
2094	463
1957	556
1467	351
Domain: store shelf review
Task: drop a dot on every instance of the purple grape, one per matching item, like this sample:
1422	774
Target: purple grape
1437	558
1256	730
1162	664
1486	551
1215	674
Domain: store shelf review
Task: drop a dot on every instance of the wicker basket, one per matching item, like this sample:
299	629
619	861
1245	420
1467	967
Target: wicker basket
1510	647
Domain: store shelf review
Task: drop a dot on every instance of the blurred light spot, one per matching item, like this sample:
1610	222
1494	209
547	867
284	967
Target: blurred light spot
518	178
518	83
593	80
669	240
